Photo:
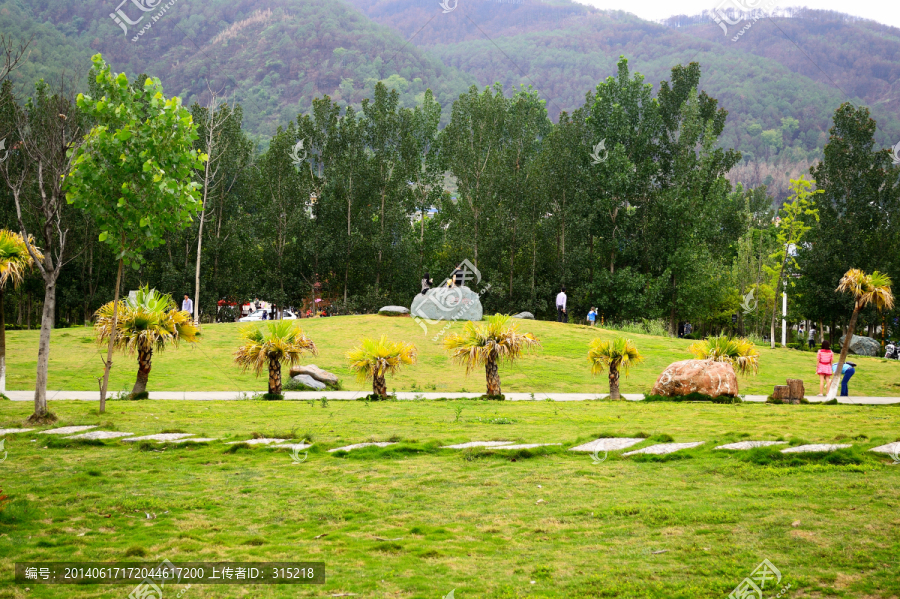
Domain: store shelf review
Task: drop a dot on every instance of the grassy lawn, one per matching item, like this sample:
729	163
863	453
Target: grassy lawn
414	521
560	366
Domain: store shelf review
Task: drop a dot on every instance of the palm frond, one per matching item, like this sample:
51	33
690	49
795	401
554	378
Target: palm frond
380	357
149	320
496	338
279	340
618	353
14	257
738	351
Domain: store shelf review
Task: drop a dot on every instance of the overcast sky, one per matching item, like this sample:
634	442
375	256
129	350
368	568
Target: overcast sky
882	11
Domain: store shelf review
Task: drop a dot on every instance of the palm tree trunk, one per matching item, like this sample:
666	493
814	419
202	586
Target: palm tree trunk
379	385
614	383
112	339
845	348
274	377
145	356
493	377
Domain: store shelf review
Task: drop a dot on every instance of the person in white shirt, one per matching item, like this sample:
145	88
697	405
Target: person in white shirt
561	314
187	305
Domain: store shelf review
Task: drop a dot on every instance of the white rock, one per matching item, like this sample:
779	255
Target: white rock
477	444
393	310
526	446
262	441
162	437
12	431
194	440
67	430
360	446
664	448
891	448
815	447
295	446
750	444
608	444
93	435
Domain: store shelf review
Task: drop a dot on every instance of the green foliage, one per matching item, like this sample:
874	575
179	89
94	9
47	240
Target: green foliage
740	353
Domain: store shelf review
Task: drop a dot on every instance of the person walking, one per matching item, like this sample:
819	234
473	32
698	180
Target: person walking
561	314
824	362
847	373
187	305
592	317
426	283
812	337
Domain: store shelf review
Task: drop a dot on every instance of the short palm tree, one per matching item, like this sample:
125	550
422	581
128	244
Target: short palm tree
739	352
281	341
873	289
619	355
373	359
488	344
14	262
148	321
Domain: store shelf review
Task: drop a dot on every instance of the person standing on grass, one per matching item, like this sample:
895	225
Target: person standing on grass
561	314
187	305
847	373
812	337
824	362
592	317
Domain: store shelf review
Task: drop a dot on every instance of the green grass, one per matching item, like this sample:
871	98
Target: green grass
561	366
415	521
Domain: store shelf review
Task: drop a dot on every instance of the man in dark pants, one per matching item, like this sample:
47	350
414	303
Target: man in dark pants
561	314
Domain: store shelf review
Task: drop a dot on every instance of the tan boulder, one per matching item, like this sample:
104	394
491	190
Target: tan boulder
323	376
697	376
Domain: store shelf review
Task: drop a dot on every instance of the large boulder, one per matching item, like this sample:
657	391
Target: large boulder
697	376
393	311
447	303
313	371
309	382
525	315
862	346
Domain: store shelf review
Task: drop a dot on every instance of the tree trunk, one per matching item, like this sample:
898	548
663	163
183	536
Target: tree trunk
196	314
379	385
274	377
492	374
614	383
112	338
2	344
145	356
40	387
845	348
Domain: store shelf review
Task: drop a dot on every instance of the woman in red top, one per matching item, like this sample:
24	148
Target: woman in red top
825	358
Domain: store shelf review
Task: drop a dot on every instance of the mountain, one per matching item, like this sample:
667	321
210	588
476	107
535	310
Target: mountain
780	78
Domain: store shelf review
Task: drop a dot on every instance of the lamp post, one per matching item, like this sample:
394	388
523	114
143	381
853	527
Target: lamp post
784	319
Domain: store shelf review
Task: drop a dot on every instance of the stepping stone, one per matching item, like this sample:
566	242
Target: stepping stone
477	444
359	446
12	431
750	444
67	430
815	447
162	437
262	441
193	440
526	445
664	448
890	448
607	444
295	446
94	435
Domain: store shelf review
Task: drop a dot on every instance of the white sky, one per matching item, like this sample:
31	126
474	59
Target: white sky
878	10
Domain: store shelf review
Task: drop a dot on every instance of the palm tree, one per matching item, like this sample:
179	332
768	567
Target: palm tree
619	355
373	359
739	352
280	342
14	261
146	322
490	343
866	289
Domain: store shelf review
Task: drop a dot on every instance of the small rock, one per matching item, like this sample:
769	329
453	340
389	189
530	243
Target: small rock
310	382
393	311
540	501
323	376
524	315
795	523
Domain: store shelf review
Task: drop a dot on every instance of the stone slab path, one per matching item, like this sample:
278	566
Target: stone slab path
744	445
96	435
477	444
162	437
12	431
294	446
890	448
262	441
815	447
608	444
665	448
359	446
193	440
67	430
525	446
405	395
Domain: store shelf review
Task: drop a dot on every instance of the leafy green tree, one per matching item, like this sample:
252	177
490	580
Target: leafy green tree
372	360
618	355
148	321
15	260
133	173
282	342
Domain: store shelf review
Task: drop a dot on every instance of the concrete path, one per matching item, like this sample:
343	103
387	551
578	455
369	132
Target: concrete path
404	396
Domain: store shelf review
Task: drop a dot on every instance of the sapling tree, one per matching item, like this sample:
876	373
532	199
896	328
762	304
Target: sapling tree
133	173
